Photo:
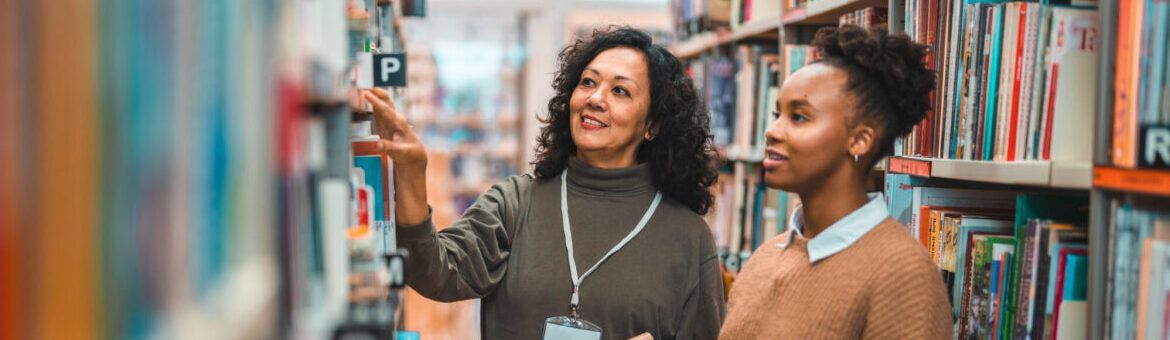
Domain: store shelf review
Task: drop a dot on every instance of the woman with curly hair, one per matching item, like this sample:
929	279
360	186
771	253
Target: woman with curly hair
607	229
845	269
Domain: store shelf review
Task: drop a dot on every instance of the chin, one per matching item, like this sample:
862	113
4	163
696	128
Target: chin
783	182
587	143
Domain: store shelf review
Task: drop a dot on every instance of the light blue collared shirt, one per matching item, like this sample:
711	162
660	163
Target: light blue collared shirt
841	234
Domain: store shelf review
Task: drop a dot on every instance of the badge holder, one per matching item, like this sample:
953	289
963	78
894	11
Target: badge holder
571	328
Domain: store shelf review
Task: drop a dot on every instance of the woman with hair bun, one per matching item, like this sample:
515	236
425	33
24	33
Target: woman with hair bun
845	269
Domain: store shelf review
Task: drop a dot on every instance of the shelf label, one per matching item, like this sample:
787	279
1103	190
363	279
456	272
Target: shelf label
920	168
396	267
1155	147
390	69
1154	182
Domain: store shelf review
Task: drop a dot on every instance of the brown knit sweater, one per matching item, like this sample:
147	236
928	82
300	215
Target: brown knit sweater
884	286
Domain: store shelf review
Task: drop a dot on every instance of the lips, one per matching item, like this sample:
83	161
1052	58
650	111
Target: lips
773	159
592	123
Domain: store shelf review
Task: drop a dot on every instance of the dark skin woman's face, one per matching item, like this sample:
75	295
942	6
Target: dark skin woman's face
812	136
608	110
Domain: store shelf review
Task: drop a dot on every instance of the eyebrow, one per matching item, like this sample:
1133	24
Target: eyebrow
618	77
796	103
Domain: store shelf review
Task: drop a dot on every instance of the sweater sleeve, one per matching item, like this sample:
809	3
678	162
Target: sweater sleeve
908	301
703	311
468	259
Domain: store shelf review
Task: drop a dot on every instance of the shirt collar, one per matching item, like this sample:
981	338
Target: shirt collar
840	234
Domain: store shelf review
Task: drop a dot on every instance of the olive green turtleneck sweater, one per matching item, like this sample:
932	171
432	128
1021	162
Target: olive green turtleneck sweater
509	250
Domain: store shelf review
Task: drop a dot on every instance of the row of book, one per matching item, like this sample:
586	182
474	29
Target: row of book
740	90
869	17
1013	78
746	213
692	17
1015	263
1141	91
748	11
1138	274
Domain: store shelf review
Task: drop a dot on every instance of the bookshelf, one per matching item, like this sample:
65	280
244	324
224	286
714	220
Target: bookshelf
1129	210
735	62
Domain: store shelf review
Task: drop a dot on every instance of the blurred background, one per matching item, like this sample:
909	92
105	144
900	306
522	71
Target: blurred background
193	169
167	167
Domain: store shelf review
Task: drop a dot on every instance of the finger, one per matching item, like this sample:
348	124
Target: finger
386	110
381	93
385	146
392	148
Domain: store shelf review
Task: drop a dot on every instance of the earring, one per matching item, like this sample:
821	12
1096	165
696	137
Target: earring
855	158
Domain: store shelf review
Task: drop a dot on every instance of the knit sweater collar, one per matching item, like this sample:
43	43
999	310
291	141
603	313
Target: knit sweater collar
629	181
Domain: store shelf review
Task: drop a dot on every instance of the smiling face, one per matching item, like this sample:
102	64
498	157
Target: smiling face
811	140
609	109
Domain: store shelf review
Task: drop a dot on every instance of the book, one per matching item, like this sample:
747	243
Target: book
1126	82
969	227
377	174
1071	104
899	191
1071	283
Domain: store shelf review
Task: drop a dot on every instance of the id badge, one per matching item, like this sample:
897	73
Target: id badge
569	328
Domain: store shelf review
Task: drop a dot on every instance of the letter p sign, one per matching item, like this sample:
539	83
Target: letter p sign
390	69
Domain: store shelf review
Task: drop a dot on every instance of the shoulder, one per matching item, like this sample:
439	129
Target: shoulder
514	184
510	189
898	254
507	196
683	225
685	219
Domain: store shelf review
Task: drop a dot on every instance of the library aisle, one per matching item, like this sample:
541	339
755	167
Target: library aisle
207	170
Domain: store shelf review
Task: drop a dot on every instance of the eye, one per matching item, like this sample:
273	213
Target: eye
621	91
799	117
775	114
587	82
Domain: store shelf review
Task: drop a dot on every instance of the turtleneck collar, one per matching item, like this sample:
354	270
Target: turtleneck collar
633	180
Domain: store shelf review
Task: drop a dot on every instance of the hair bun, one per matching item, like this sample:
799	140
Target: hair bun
893	60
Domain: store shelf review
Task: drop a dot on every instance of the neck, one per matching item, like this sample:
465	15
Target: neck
828	203
607	160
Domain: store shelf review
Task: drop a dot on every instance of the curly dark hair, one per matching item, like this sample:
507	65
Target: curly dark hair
886	74
680	154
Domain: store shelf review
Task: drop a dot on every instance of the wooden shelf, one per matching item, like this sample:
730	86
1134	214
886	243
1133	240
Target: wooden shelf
696	45
1072	175
1142	181
1067	175
826	12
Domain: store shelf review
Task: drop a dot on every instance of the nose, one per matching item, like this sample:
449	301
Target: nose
775	132
596	100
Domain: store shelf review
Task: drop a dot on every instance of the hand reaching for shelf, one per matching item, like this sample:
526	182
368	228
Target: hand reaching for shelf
398	138
409	156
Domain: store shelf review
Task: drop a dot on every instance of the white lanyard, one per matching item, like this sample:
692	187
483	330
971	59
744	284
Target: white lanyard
576	299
